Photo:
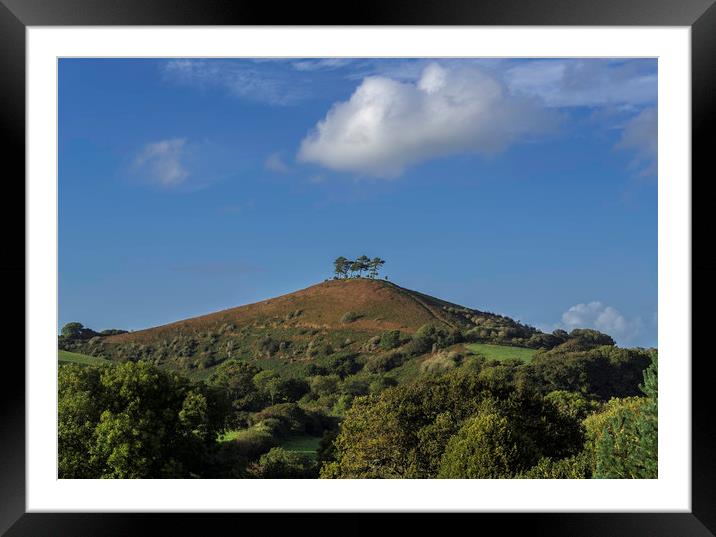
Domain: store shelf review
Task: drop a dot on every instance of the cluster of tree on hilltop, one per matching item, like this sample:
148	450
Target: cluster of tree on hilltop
347	268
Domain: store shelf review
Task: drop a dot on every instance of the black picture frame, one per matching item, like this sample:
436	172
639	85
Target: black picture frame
16	15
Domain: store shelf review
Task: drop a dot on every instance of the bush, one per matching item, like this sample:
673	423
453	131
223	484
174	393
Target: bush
385	362
442	361
252	442
325	384
291	417
390	339
281	464
575	467
349	317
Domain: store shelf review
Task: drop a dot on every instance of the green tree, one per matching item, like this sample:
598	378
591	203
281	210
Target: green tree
134	420
627	444
340	267
236	379
361	264
374	265
399	434
72	330
488	446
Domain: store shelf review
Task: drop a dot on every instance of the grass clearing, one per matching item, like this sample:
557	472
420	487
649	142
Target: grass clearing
305	444
82	359
501	352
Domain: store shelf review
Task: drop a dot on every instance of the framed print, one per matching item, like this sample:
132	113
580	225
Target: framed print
411	262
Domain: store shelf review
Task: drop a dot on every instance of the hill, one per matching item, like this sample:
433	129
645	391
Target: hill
333	318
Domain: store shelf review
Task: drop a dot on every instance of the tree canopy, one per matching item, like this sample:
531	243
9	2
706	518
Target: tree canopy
345	268
134	420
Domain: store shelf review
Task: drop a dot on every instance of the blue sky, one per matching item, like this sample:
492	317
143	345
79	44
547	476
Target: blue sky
523	187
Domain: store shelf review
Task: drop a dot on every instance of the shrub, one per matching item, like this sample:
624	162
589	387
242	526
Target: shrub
349	317
281	464
325	384
390	339
575	467
442	361
252	442
385	362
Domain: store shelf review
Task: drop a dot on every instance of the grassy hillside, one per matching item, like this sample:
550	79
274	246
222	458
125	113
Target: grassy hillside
82	359
321	323
501	352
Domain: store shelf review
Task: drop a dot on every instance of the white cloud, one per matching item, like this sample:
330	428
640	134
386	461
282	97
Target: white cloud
388	125
322	64
162	161
640	135
603	318
588	82
238	78
274	163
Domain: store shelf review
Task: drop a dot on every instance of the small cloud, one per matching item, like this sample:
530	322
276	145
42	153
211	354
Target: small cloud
274	163
601	317
586	82
388	125
322	64
162	161
261	82
317	179
640	135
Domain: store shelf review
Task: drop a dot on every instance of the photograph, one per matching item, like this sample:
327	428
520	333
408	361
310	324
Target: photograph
351	268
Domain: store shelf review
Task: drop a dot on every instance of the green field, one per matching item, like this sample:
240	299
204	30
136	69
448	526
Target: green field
307	445
500	352
300	443
82	359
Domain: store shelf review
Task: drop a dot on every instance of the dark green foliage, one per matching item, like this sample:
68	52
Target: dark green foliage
72	330
344	365
385	362
291	418
380	383
252	442
77	330
236	378
628	444
572	404
490	445
281	464
574	467
390	339
135	421
398	433
277	389
112	332
340	267
325	384
602	372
